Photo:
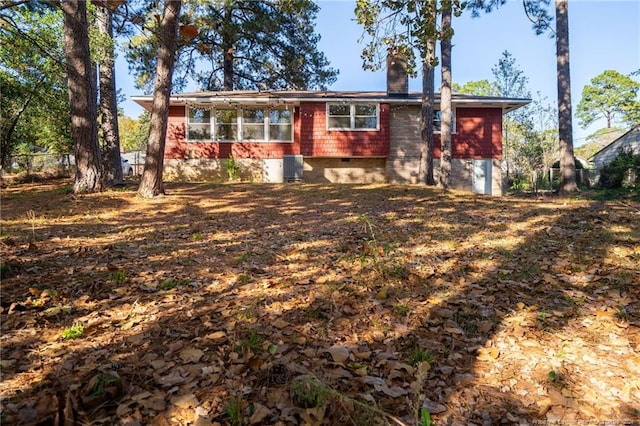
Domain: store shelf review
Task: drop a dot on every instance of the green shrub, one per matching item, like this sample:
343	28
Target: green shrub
233	168
612	175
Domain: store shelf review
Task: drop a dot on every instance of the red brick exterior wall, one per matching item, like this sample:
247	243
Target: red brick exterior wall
317	141
177	147
478	135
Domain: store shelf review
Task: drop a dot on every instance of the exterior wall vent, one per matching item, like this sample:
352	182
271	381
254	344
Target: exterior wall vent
293	167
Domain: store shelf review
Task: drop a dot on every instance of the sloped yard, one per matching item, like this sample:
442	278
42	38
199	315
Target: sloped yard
309	304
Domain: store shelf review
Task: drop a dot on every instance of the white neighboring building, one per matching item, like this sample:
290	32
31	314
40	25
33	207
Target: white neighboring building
628	141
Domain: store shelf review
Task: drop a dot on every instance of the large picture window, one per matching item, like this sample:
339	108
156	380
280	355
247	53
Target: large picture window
241	124
352	116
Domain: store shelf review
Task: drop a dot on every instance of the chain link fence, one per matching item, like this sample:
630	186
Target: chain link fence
62	164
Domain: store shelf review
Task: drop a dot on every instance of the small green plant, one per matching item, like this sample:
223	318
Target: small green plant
251	342
420	355
65	189
394	270
119	276
622	314
467	321
244	278
309	392
246	314
315	313
233	168
374	252
74	332
101	382
168	284
49	292
196	236
425	417
542	316
367	225
401	309
234	411
555	376
5	270
245	257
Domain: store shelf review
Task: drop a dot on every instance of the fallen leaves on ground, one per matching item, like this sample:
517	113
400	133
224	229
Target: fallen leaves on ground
311	304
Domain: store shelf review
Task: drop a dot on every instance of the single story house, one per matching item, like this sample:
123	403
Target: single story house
629	141
330	136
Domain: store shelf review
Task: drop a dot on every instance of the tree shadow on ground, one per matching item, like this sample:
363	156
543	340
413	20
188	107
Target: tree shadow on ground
230	292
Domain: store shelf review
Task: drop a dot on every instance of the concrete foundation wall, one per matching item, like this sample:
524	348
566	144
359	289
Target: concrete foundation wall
211	170
335	170
331	170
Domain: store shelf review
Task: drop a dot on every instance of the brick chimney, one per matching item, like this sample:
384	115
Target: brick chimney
397	77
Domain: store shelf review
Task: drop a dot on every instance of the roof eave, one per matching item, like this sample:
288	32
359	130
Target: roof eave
271	98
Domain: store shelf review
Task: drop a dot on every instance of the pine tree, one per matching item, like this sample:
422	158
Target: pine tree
151	183
241	46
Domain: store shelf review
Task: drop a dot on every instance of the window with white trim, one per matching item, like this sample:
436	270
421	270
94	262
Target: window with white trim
226	124
437	120
355	116
280	128
199	124
239	124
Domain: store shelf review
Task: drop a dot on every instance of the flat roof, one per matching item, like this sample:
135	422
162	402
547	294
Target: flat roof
295	97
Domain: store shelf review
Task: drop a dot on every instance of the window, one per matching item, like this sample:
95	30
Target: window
352	116
247	124
437	121
253	127
339	117
280	125
366	117
226	124
199	124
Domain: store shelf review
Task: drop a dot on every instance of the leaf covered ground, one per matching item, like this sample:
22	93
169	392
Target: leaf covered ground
316	304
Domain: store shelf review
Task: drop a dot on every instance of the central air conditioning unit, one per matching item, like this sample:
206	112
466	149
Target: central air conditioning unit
293	166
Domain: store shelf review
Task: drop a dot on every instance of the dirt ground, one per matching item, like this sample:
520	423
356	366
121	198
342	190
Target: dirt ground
314	304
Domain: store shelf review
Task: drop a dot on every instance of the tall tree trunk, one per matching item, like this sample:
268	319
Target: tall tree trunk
228	40
565	126
445	97
82	98
109	102
151	182
425	174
